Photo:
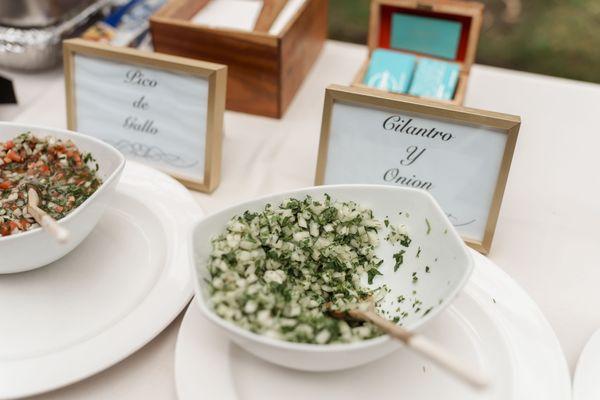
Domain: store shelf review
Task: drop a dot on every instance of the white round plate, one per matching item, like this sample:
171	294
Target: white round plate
585	379
492	323
107	298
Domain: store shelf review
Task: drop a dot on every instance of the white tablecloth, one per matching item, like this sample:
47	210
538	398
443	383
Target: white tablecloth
547	236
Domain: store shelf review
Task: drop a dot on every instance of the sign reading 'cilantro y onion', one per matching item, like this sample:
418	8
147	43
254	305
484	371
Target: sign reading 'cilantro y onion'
461	156
161	110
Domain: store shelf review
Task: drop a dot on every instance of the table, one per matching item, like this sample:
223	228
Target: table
547	234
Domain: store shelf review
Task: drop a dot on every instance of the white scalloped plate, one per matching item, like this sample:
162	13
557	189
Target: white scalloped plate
107	298
492	323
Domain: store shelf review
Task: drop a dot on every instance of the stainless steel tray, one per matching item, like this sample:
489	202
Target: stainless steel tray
39	13
39	48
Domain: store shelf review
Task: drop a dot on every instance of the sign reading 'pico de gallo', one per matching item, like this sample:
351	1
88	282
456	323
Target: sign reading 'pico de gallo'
161	110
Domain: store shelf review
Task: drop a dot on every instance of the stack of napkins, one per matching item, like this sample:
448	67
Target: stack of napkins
404	73
390	70
243	14
232	14
435	79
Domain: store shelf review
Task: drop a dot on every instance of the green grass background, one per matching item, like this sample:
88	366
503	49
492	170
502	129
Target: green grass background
552	37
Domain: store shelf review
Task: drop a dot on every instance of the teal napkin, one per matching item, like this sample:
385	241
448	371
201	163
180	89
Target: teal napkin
432	36
390	70
435	79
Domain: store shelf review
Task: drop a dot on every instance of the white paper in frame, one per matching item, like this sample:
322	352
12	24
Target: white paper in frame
161	110
460	155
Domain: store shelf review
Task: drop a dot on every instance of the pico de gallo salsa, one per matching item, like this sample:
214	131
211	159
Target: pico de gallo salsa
63	176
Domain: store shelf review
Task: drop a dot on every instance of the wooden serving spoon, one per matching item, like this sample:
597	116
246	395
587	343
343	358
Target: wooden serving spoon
415	342
46	221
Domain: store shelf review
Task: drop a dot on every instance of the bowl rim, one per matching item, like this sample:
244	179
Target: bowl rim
335	347
105	183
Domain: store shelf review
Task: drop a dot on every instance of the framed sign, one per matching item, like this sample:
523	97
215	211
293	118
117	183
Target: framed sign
161	110
460	155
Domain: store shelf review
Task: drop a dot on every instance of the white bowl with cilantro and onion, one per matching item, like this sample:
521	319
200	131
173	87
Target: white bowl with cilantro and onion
266	271
26	246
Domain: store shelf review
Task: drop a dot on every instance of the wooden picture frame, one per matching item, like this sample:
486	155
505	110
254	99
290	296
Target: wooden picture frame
438	113
215	75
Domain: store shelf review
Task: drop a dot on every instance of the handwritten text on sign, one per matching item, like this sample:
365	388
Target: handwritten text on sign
157	117
458	164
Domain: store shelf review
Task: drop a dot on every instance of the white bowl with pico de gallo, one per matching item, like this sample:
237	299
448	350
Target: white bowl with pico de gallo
75	176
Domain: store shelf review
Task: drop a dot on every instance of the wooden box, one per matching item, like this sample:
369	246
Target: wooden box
468	13
265	71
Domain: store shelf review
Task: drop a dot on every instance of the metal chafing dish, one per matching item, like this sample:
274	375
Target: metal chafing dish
31	31
38	13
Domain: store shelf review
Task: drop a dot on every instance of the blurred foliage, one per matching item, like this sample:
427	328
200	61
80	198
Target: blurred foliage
553	37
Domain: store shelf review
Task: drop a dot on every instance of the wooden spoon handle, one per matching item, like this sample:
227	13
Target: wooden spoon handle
448	361
49	224
427	348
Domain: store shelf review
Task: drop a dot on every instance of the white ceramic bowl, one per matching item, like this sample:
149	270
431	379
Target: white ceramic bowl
35	248
442	250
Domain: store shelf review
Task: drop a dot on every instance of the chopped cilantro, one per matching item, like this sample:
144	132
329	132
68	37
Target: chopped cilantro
399	257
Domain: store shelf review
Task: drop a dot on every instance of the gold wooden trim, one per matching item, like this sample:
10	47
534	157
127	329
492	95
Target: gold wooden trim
69	72
509	124
324	139
359	77
216	74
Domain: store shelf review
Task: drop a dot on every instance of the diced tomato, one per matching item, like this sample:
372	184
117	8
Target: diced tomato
4	229
5	185
74	155
9	145
13	225
13	156
59	209
7	160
